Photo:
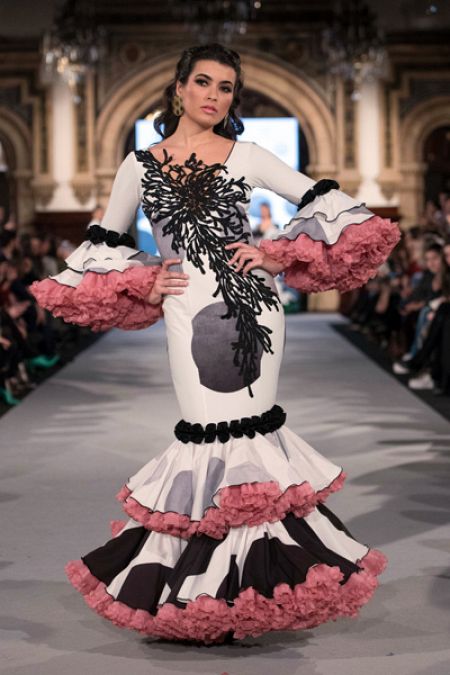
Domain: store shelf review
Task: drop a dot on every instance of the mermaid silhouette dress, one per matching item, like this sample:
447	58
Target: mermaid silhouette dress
227	529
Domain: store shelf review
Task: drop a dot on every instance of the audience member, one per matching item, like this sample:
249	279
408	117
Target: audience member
30	337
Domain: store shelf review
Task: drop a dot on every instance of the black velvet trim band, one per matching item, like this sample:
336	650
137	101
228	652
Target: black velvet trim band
320	188
271	420
98	234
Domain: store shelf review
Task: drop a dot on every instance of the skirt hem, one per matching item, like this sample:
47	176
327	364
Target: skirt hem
320	598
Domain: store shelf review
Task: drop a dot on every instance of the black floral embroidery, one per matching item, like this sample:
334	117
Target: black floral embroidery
203	213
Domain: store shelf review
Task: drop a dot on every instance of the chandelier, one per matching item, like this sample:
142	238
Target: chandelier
353	45
215	20
73	46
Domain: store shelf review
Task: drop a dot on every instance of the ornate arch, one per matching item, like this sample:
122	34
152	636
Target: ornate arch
293	90
416	126
18	144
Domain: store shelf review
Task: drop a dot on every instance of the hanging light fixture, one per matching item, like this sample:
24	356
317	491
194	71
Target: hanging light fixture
73	46
215	20
353	45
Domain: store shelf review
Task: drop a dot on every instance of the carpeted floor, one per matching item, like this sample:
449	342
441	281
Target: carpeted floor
439	403
70	445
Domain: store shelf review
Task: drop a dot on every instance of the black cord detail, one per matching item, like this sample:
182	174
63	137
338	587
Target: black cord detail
202	213
269	421
322	186
98	234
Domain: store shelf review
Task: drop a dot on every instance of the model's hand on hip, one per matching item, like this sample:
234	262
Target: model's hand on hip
167	282
247	257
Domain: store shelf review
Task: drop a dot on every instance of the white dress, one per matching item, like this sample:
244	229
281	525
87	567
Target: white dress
228	533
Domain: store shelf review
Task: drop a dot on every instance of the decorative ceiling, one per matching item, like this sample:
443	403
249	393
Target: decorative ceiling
26	18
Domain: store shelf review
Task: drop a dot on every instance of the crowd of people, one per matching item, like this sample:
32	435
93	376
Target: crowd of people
406	307
31	339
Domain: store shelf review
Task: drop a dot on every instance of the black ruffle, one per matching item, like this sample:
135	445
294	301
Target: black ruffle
98	234
271	420
320	188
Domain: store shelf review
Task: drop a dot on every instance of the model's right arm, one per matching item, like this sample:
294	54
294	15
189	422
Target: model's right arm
107	280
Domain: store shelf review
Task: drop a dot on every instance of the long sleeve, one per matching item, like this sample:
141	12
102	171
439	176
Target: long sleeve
125	197
333	241
107	279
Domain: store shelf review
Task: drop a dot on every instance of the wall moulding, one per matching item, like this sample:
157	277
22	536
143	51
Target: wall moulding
18	140
414	103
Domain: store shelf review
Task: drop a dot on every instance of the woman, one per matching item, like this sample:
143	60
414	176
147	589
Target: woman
433	355
228	534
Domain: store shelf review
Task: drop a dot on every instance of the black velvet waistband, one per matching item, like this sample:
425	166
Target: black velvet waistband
271	420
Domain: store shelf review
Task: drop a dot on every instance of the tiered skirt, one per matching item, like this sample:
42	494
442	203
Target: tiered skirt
229	539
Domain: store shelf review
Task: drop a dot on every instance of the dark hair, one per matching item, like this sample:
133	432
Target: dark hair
445	282
437	248
7	236
415	232
214	52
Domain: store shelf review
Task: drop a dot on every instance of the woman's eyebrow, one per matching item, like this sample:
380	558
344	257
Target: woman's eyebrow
210	78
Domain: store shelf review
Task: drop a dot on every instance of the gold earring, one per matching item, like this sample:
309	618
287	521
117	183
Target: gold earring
177	105
225	120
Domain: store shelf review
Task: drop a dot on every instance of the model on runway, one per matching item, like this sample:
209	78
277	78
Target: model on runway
227	530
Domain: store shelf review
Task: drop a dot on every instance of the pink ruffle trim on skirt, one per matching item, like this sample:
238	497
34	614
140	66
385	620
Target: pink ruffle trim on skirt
311	266
110	300
245	504
116	527
318	599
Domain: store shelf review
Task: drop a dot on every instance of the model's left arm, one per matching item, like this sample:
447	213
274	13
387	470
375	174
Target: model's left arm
333	241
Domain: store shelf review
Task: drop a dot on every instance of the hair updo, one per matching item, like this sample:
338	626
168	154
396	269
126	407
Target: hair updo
214	52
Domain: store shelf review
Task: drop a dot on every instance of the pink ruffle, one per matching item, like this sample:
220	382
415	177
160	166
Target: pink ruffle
116	527
102	301
312	266
318	599
246	504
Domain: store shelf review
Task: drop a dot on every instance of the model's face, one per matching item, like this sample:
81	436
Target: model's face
210	85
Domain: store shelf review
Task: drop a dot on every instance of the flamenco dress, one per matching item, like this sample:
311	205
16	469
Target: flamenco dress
227	531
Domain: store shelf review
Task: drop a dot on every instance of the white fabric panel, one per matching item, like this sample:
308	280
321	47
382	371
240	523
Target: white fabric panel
327	214
159	548
336	540
266	170
245	460
125	197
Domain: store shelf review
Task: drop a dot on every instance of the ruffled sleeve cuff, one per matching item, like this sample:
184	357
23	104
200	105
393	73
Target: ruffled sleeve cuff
333	241
105	284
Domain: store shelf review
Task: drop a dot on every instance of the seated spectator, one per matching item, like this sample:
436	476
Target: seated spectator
30	337
427	288
433	357
442	215
9	244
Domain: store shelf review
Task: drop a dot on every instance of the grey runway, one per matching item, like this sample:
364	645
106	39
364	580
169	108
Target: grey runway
69	447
